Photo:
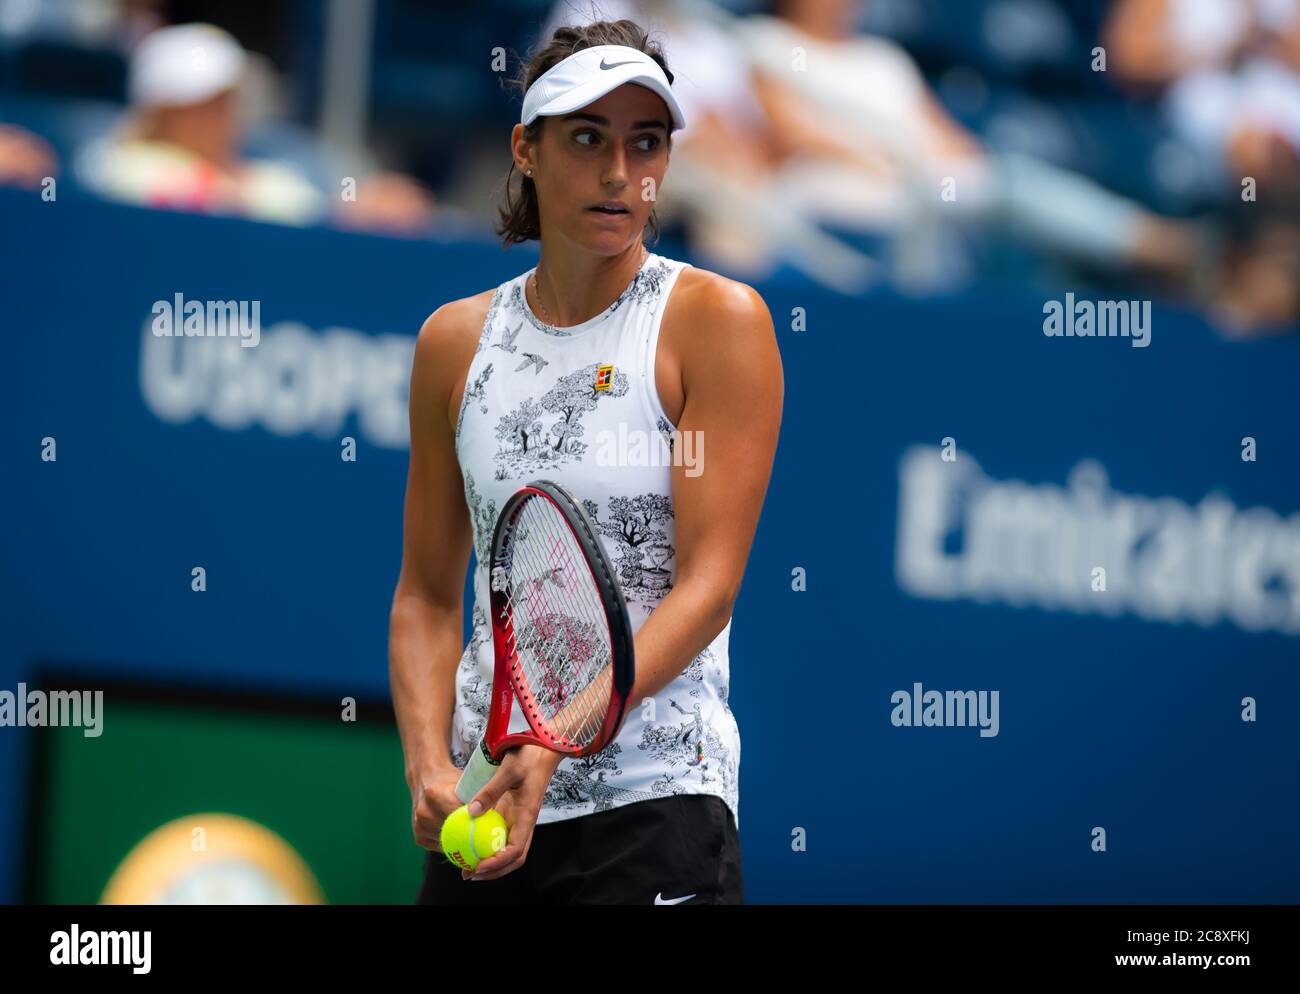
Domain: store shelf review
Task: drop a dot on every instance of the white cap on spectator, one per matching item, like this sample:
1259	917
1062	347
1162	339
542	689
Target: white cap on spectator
184	64
590	73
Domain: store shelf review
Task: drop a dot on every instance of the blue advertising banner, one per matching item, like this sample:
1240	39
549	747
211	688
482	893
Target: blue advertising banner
1021	622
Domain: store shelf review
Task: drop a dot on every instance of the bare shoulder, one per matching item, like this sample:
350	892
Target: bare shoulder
701	293
453	322
712	317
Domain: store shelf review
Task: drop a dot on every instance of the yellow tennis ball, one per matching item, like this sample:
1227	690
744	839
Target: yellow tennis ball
466	840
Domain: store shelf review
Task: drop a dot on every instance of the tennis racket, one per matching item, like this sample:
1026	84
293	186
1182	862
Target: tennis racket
560	632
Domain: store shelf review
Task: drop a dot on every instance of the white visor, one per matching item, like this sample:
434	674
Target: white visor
184	64
587	75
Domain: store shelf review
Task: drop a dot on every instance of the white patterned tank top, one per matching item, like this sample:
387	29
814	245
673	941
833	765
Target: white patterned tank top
579	406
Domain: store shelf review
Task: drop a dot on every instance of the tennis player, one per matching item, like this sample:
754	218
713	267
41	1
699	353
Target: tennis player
650	389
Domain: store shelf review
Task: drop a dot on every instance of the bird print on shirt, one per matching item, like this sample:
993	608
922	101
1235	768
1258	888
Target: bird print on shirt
507	342
534	360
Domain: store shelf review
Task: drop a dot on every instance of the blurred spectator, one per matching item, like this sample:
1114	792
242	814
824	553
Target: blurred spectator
850	92
180	146
90	22
853	139
1260	292
1157	42
25	159
1230	70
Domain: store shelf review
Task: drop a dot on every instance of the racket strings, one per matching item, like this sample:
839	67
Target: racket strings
567	642
560	627
561	648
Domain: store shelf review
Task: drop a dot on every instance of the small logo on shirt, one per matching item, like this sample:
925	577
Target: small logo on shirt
604	376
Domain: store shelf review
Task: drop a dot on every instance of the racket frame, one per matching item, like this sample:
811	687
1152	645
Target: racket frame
507	681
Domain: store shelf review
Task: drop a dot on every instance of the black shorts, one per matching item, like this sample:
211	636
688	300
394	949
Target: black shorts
682	849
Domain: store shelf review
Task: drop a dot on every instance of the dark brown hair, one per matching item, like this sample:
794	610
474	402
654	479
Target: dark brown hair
520	219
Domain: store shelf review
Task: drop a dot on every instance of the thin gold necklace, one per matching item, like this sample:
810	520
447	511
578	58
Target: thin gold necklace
537	290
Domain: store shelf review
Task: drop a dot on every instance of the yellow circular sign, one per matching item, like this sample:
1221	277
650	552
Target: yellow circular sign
212	859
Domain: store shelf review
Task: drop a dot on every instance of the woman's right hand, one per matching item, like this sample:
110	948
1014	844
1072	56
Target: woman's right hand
433	798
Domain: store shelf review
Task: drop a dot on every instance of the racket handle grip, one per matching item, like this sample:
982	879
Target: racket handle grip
478	771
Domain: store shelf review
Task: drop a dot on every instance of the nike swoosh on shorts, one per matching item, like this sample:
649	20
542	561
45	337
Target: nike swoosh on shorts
659	899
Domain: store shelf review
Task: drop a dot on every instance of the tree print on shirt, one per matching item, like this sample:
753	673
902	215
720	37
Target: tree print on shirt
479	635
642	548
694	671
692	743
474	392
519	429
665	430
475	692
539	434
483	518
586	782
